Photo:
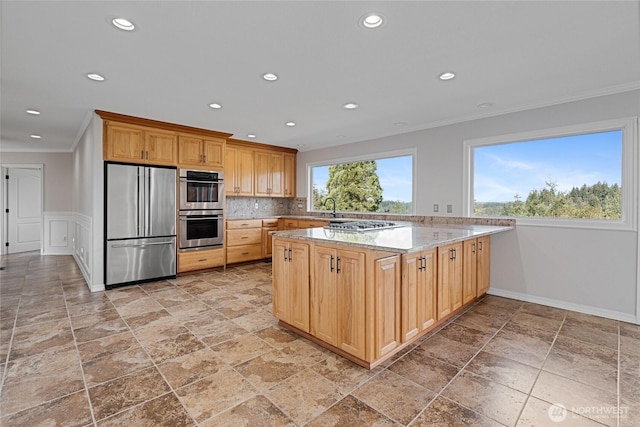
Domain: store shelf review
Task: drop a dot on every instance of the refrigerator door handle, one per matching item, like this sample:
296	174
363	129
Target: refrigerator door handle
140	245
147	197
141	201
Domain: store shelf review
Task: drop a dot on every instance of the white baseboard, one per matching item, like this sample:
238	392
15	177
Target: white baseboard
609	314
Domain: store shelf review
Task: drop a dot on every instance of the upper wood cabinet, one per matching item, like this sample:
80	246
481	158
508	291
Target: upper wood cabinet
289	179
269	173
138	140
194	150
138	144
238	167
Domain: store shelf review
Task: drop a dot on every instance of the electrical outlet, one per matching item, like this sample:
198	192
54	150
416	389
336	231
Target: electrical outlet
449	208
256	205
436	207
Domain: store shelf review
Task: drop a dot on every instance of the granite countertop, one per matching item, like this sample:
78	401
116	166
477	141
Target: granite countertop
404	239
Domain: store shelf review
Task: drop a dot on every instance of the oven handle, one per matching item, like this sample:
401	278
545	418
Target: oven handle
199	218
218	181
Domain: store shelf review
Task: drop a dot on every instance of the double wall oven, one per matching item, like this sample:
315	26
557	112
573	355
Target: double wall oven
201	208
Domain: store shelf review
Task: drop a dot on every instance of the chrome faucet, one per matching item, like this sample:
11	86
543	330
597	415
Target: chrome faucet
333	212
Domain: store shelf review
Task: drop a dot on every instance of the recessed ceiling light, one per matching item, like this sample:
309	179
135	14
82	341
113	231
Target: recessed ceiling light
33	112
447	76
34	136
251	135
123	24
270	77
485	105
350	106
96	77
215	106
372	20
290	124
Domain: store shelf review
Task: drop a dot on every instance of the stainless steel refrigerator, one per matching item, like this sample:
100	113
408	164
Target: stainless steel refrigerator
140	224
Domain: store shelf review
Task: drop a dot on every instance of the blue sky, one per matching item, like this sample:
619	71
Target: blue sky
396	177
502	171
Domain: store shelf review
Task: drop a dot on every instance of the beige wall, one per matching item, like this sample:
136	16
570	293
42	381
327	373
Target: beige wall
57	177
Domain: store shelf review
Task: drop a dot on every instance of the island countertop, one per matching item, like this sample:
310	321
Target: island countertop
406	238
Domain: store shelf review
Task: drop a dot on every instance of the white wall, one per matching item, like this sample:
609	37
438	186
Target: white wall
88	204
593	271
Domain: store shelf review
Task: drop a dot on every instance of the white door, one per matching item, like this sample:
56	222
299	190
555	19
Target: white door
25	209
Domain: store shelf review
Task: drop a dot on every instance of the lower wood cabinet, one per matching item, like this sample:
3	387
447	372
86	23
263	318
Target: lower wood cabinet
200	259
291	283
244	240
419	276
268	226
387	302
338	299
469	270
483	265
449	279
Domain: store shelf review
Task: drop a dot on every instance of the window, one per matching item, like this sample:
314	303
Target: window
581	175
380	183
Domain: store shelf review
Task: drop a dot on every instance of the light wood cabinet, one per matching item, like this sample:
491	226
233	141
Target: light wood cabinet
483	265
238	167
200	259
291	283
338	299
269	173
419	276
197	151
138	144
449	279
289	175
386	287
244	240
469	270
268	226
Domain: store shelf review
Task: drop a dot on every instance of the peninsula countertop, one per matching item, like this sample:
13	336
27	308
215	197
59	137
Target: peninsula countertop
406	238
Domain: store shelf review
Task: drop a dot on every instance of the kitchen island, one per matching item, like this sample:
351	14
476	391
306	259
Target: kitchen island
366	295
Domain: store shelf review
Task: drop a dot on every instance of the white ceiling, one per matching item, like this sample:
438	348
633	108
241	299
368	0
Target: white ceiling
184	55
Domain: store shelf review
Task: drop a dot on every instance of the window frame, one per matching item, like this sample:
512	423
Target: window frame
629	168
361	158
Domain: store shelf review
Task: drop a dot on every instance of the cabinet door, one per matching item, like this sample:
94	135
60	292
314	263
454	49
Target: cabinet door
244	172
189	150
212	151
161	148
387	303
230	171
262	173
411	267
350	302
484	264
324	311
267	241
456	276
469	248
276	167
427	290
446	278
289	180
299	292
124	144
281	283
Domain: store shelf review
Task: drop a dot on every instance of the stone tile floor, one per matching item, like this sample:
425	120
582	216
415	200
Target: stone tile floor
205	350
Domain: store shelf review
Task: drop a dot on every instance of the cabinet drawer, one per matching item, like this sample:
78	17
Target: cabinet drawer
198	260
244	253
272	222
245	223
290	224
247	236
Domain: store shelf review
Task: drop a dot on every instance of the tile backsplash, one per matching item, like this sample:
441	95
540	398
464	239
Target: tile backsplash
261	207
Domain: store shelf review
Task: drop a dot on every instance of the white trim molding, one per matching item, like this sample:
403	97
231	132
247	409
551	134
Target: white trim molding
57	236
609	314
82	244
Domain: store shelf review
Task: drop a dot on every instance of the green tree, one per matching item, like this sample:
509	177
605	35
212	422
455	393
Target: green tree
354	186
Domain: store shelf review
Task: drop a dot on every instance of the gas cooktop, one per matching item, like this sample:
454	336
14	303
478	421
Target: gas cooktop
361	225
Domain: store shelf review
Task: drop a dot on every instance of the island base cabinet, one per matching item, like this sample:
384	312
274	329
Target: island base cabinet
338	299
483	266
387	305
291	283
418	293
469	270
449	279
